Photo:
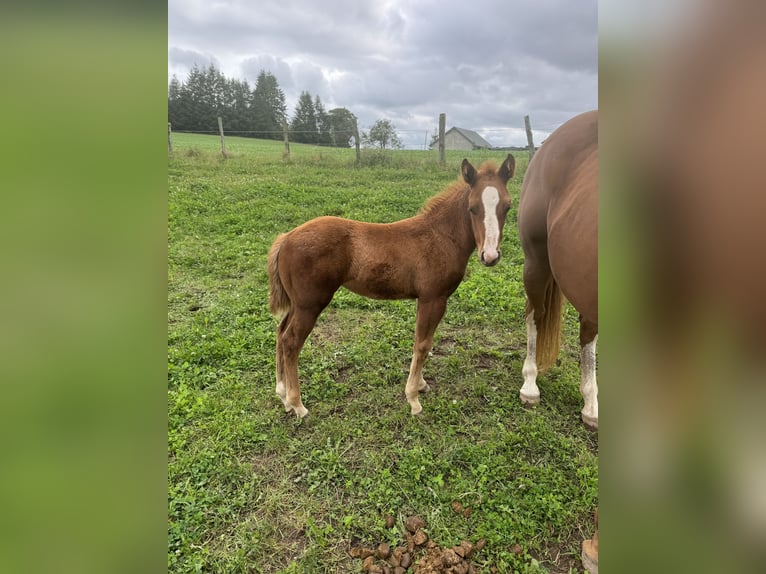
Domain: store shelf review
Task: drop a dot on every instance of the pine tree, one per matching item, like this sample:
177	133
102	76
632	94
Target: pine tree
239	92
324	131
303	127
212	98
195	105
193	99
267	108
175	103
199	101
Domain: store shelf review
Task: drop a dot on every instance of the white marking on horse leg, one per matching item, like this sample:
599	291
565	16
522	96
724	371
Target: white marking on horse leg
281	391
490	198
280	387
295	404
530	393
293	396
414	382
588	385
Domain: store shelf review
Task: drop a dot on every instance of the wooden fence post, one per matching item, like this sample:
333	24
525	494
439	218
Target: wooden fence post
442	123
530	143
286	153
223	142
170	140
357	143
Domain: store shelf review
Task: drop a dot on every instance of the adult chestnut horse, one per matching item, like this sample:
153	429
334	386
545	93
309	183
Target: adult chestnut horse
558	227
423	257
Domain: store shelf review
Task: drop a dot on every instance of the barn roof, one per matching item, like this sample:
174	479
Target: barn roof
472	137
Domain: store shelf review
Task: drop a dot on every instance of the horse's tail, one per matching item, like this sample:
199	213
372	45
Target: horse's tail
279	302
549	326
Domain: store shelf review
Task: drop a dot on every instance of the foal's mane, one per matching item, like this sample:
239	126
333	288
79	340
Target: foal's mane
457	188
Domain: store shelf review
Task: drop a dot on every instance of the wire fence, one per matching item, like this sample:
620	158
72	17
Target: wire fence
512	138
414	139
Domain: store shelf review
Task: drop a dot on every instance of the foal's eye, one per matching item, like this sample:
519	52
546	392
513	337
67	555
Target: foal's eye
474	209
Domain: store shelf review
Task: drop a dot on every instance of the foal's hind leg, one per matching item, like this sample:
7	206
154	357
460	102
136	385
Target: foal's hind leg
291	339
588	385
280	388
429	315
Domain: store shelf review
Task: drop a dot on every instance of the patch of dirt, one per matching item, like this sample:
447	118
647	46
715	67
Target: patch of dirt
294	544
444	346
485	361
558	560
331	331
418	554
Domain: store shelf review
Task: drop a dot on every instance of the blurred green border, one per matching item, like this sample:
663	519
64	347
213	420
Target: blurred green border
83	235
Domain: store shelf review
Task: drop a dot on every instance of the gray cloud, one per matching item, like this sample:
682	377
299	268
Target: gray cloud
251	67
484	63
184	60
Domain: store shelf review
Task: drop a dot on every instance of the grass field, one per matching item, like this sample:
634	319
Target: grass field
251	489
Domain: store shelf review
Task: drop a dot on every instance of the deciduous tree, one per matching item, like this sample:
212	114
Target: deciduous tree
382	135
341	126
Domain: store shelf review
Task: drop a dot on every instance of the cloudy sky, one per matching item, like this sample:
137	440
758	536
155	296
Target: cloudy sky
485	63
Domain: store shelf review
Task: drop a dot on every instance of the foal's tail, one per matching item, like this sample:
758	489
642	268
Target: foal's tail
549	326
279	302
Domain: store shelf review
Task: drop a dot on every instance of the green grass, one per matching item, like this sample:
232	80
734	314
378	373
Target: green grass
254	490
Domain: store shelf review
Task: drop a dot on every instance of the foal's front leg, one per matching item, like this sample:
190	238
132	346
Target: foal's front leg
428	317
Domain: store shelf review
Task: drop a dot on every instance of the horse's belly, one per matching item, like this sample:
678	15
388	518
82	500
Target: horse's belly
380	286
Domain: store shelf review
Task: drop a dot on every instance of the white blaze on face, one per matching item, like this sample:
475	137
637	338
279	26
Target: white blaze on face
490	198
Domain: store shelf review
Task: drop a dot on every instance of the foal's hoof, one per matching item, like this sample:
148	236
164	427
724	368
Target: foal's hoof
591	423
529	401
300	411
416	408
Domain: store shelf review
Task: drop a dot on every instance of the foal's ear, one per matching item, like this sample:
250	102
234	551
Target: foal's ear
468	171
506	170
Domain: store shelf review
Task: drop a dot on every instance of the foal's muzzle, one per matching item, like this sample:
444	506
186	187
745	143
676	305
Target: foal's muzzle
488	262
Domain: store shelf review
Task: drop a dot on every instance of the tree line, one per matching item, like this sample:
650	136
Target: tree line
196	104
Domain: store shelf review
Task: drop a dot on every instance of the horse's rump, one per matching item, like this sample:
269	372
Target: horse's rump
573	238
558	228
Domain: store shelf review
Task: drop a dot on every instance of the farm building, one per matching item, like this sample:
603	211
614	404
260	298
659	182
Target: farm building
463	139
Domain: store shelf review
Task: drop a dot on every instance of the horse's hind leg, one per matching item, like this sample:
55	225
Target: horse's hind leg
291	340
588	385
280	388
429	315
530	392
537	276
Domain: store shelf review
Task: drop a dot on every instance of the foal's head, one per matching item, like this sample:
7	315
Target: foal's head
488	204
